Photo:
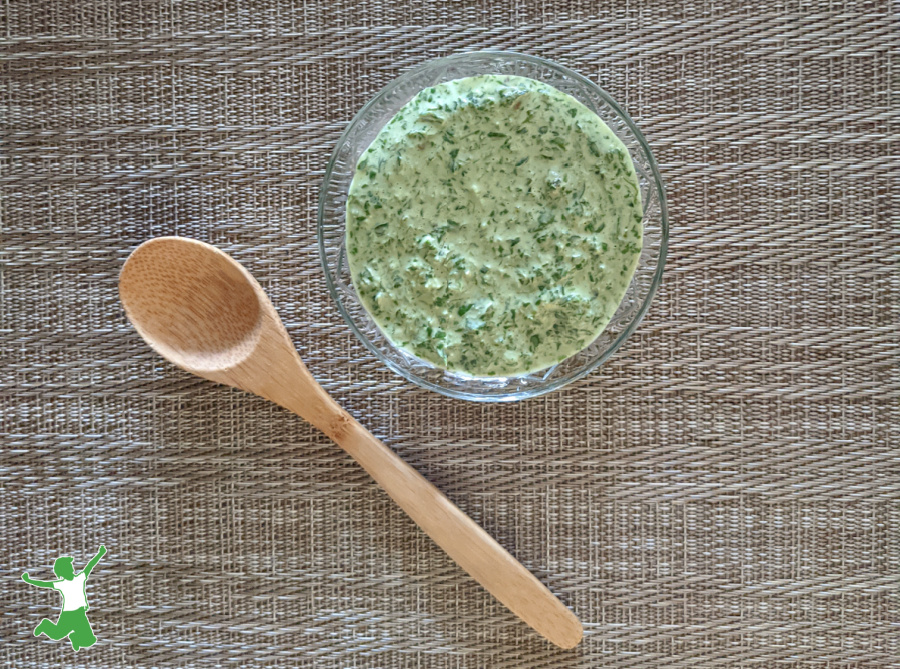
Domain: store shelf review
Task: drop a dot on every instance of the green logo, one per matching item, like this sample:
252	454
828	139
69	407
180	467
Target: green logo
73	621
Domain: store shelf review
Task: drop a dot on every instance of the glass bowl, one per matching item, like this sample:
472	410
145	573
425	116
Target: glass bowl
333	201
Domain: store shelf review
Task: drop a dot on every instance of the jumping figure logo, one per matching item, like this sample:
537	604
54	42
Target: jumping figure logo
73	621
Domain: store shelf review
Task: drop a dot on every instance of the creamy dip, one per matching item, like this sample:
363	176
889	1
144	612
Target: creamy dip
493	226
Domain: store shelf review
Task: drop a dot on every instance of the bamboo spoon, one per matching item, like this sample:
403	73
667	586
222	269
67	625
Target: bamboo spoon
201	310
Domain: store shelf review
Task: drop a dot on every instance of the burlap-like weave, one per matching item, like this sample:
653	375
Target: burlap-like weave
724	492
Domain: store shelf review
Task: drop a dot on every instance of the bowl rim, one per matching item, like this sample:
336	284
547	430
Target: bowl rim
527	393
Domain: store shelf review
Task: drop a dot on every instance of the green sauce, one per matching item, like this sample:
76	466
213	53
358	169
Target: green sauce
493	226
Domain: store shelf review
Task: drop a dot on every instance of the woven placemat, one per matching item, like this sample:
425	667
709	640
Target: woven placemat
725	491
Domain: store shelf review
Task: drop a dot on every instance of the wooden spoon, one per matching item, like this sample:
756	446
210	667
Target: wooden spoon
200	309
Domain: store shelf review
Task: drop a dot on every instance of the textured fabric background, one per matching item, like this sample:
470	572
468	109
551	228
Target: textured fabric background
724	492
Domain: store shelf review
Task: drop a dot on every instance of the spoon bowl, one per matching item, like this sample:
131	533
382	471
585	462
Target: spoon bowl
201	310
192	303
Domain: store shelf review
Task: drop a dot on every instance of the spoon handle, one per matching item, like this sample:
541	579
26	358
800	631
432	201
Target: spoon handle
287	382
277	373
462	538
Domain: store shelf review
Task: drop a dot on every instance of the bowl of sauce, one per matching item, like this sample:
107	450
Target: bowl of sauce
492	226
